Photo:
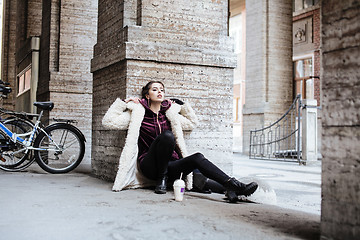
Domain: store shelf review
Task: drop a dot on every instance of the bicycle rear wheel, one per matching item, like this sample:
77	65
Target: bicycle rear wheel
60	149
14	156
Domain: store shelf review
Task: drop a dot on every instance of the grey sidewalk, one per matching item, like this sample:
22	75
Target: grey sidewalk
294	186
36	205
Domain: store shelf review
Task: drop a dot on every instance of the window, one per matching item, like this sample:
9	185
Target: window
303	82
24	80
303	4
236	32
237	109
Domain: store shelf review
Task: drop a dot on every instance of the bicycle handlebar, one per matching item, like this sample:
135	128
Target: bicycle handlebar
4	90
4	83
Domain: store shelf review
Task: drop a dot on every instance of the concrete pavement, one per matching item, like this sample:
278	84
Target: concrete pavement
37	205
291	185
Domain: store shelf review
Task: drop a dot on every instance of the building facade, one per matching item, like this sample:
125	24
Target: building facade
305	70
186	45
47	48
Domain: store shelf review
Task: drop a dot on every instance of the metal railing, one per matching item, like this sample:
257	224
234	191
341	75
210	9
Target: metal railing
282	139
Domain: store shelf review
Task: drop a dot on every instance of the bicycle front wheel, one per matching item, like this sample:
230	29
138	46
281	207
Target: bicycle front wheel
59	149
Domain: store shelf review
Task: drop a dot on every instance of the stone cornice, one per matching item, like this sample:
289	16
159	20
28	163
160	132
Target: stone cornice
145	44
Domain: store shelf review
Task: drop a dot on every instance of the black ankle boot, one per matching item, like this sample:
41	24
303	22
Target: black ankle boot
240	188
161	185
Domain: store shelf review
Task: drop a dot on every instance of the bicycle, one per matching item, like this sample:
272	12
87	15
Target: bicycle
57	148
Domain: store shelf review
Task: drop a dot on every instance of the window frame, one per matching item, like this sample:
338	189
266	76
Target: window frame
303	79
25	87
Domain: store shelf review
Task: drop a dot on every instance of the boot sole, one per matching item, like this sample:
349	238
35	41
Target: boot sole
160	191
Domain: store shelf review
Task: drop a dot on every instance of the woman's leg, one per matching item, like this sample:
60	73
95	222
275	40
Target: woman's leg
197	161
208	169
206	185
155	163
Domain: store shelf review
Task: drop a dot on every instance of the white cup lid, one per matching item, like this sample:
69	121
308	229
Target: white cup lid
179	183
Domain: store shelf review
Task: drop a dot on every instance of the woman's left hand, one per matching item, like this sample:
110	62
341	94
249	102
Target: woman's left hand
178	101
134	99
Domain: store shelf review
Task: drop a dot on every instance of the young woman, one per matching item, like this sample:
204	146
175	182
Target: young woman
155	151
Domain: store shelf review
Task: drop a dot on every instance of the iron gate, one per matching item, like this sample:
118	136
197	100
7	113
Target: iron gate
282	139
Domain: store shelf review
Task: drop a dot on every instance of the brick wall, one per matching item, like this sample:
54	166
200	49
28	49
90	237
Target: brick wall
183	44
22	20
8	71
317	42
340	217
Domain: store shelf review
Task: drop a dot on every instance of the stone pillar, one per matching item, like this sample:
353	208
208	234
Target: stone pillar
67	38
182	43
268	63
309	130
340	208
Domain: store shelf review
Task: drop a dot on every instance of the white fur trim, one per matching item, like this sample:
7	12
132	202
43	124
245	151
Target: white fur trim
127	163
116	117
189	114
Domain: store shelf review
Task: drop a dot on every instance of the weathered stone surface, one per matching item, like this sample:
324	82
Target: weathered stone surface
66	52
340	123
174	42
341	29
341	98
268	64
108	84
75	106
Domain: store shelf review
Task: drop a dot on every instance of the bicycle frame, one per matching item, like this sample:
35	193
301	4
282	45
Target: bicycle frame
27	143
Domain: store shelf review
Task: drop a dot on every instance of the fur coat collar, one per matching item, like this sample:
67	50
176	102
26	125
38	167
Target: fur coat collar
129	116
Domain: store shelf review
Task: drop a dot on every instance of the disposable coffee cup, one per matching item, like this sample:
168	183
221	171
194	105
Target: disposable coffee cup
179	189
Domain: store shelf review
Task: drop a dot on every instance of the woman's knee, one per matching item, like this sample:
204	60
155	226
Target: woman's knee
198	156
167	136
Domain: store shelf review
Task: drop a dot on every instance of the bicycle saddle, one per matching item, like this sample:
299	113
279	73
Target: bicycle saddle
44	105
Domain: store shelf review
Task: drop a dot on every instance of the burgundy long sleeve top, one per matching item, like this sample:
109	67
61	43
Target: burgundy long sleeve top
152	125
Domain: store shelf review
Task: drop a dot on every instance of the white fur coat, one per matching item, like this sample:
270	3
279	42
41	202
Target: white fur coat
129	116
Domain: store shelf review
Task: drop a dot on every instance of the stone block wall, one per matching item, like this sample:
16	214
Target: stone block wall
183	44
340	211
68	36
268	64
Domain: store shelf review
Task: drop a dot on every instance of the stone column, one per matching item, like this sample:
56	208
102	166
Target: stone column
268	63
67	39
182	43
340	208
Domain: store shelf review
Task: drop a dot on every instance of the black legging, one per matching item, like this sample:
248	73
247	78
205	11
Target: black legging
157	164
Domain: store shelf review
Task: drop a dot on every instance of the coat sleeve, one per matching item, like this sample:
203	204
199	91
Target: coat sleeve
117	116
187	118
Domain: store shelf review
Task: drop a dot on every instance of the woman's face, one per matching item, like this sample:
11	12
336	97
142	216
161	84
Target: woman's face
156	92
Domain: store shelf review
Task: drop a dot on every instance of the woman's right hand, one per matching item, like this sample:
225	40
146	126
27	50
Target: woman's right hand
134	99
